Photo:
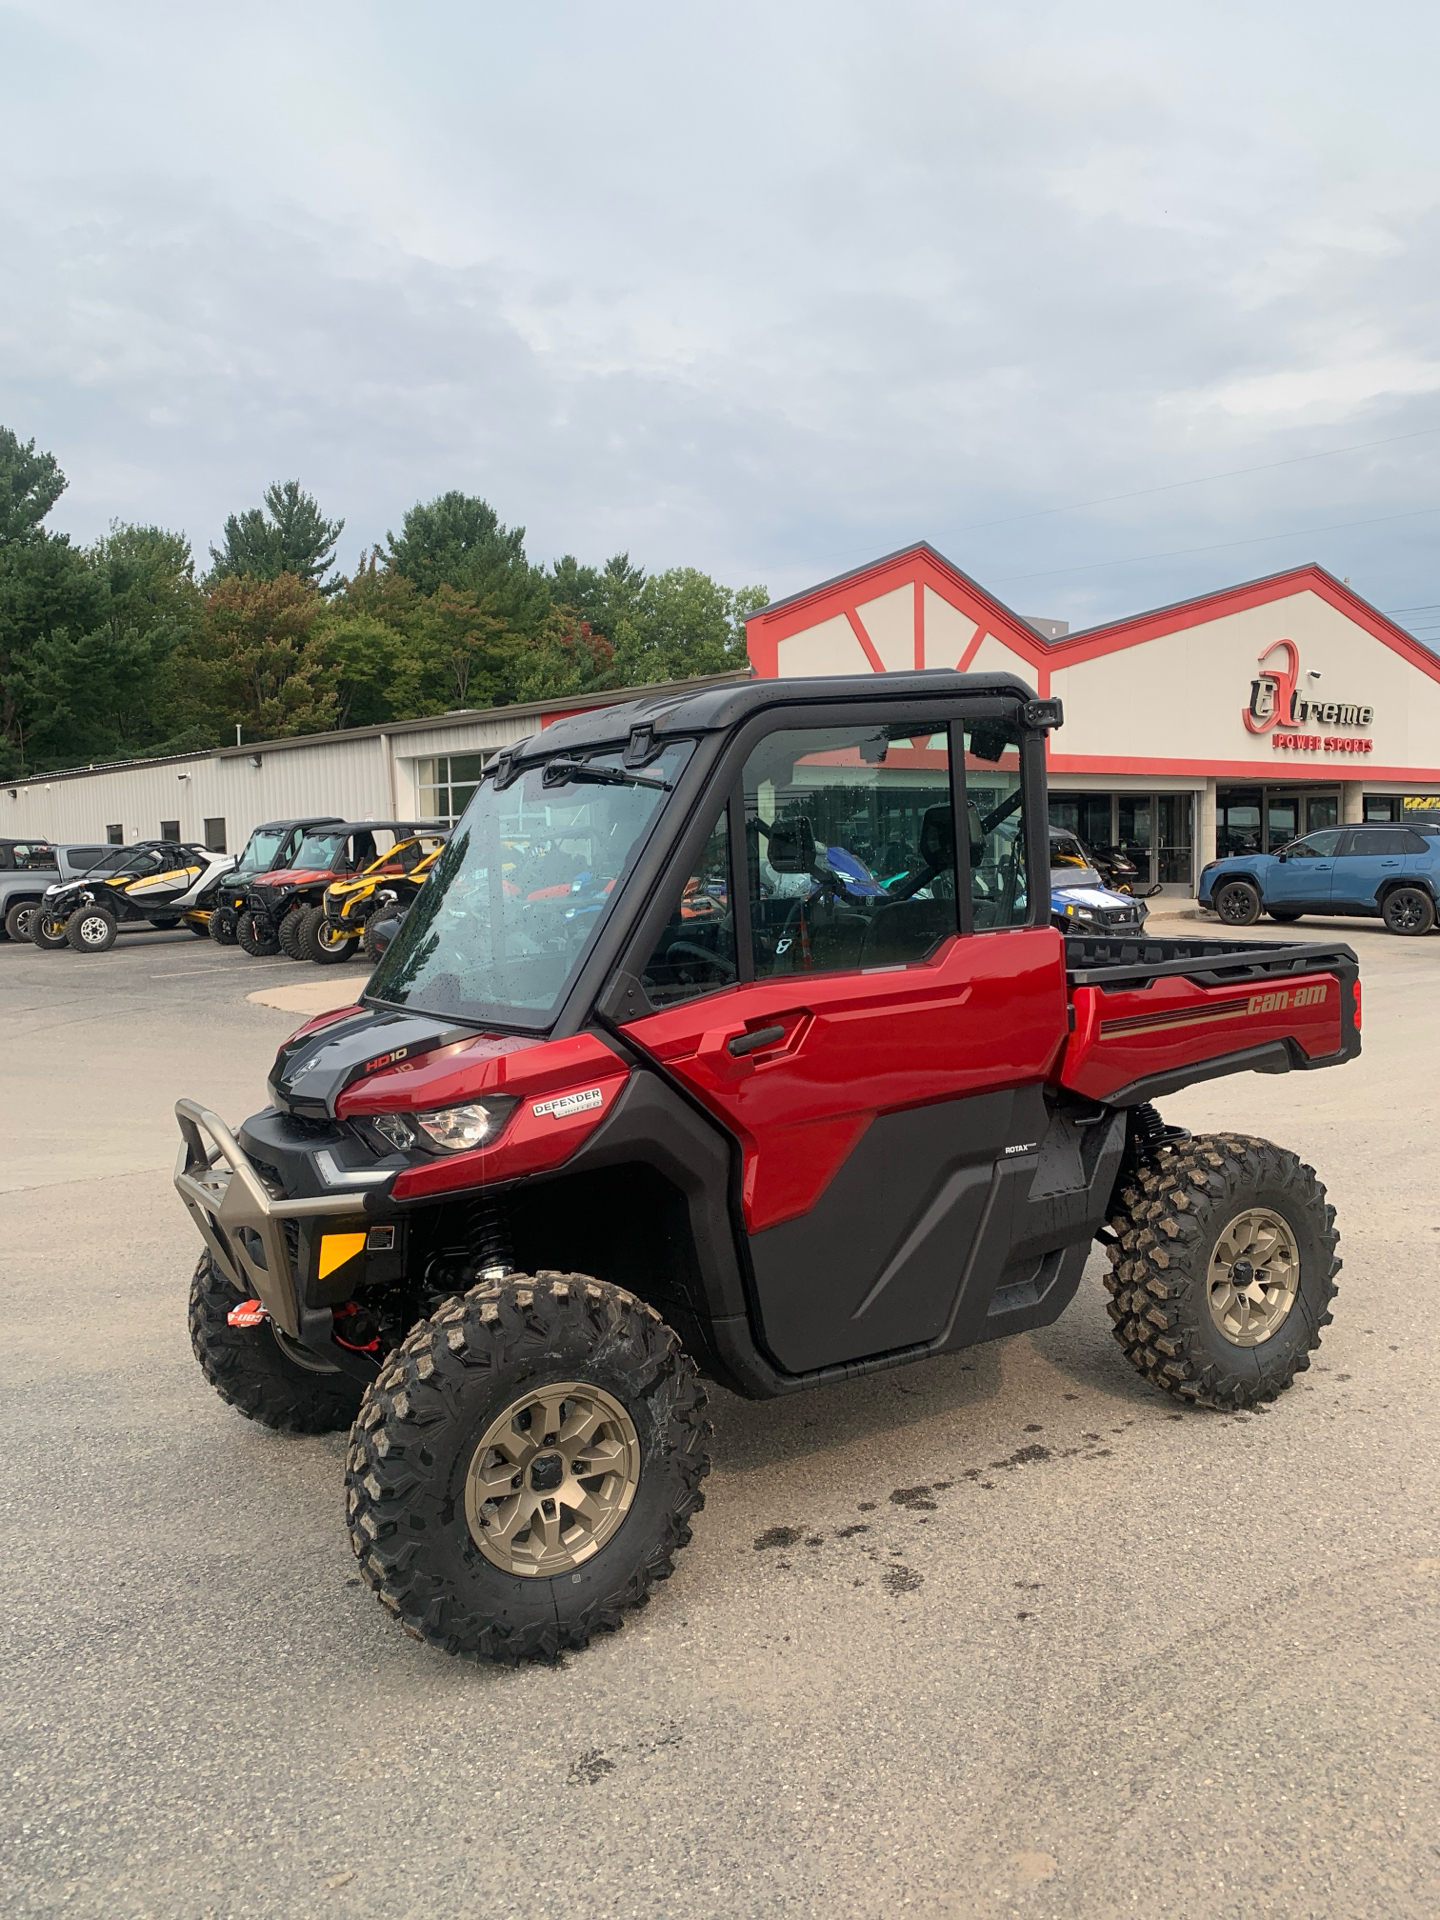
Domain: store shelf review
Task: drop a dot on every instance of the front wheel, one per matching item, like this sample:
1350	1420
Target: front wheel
288	932
261	1379
1237	903
222	926
1408	910
1222	1269
92	930
47	930
255	935
525	1467
17	920
324	942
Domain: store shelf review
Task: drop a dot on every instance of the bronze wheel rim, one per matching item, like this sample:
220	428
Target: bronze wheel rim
1254	1277
552	1479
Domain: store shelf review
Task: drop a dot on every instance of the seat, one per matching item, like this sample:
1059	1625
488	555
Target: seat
905	931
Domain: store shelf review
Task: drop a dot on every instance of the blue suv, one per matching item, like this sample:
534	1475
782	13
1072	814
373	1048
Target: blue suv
1390	873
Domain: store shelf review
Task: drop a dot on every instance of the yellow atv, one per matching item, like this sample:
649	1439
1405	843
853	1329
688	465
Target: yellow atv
349	904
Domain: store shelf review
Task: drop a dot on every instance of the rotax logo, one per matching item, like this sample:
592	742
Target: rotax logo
1279	708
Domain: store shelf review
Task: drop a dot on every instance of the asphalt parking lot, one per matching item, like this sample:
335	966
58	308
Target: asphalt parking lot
1027	1639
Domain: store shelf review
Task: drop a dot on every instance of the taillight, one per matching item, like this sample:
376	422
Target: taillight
1356	991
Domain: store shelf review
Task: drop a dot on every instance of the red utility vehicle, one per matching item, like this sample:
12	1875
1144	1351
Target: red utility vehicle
658	1080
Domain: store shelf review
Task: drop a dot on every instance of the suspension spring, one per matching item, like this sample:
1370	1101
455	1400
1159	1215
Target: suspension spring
487	1235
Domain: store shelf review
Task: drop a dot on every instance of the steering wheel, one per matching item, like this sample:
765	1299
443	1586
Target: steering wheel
680	950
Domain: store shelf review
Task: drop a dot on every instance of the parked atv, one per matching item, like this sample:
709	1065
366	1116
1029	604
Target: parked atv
349	905
284	907
156	883
1080	901
581	1144
272	845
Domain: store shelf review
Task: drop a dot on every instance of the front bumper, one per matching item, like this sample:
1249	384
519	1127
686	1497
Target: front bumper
244	1225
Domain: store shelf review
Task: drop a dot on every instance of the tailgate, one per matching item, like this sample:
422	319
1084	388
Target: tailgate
1144	1031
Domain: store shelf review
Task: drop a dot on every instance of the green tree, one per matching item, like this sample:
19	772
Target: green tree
30	484
48	595
457	541
262	655
682	623
601	596
289	534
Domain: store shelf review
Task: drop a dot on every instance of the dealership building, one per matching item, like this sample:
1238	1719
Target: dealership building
1222	725
1225	724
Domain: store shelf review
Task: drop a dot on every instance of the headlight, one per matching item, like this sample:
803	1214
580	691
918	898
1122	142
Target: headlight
457	1129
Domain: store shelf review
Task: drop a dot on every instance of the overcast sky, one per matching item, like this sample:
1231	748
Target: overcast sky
768	289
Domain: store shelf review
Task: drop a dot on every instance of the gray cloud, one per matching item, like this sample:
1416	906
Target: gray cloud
769	290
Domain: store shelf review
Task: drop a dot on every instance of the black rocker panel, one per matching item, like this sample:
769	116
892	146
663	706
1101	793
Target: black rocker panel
877	1262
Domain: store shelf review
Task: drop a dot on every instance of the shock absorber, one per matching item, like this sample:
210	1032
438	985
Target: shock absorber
487	1234
1150	1133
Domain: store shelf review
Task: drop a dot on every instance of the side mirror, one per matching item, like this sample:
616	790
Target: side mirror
791	847
1282	856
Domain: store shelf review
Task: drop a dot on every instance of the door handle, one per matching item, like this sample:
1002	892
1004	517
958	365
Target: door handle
744	1043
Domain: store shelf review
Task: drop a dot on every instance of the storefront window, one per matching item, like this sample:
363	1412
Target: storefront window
446	784
1174	859
1084	814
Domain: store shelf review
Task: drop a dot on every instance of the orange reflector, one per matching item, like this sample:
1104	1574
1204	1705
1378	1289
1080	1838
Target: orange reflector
337	1248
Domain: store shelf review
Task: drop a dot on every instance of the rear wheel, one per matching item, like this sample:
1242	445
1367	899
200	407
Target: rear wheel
1222	1269
248	1367
1408	910
17	920
525	1467
1237	903
47	930
324	942
255	935
289	930
222	926
92	930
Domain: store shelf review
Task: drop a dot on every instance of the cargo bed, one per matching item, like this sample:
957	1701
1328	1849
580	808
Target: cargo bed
1149	1016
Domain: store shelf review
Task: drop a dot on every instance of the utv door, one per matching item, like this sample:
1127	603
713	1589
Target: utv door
874	1049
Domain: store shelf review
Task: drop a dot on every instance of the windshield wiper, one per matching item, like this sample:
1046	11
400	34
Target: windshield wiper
585	772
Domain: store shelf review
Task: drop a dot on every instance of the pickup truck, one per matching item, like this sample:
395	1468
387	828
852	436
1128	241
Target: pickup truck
28	867
658	1082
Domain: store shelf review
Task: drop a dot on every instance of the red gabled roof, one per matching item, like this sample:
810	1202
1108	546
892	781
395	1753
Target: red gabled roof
1311	578
923	566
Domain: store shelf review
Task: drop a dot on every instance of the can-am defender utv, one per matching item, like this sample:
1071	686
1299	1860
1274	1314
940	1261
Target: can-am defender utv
658	1080
155	883
284	906
273	844
350	905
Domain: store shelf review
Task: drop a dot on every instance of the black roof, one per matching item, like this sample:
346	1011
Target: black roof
716	709
306	820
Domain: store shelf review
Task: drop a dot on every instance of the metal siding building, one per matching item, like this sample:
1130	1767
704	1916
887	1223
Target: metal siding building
404	771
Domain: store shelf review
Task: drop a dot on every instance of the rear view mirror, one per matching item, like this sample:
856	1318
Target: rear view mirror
791	847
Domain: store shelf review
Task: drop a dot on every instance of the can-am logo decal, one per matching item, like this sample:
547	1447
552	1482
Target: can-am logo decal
1278	708
1285	998
567	1103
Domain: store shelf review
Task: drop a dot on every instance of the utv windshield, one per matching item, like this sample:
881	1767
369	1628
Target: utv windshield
516	898
260	849
317	850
